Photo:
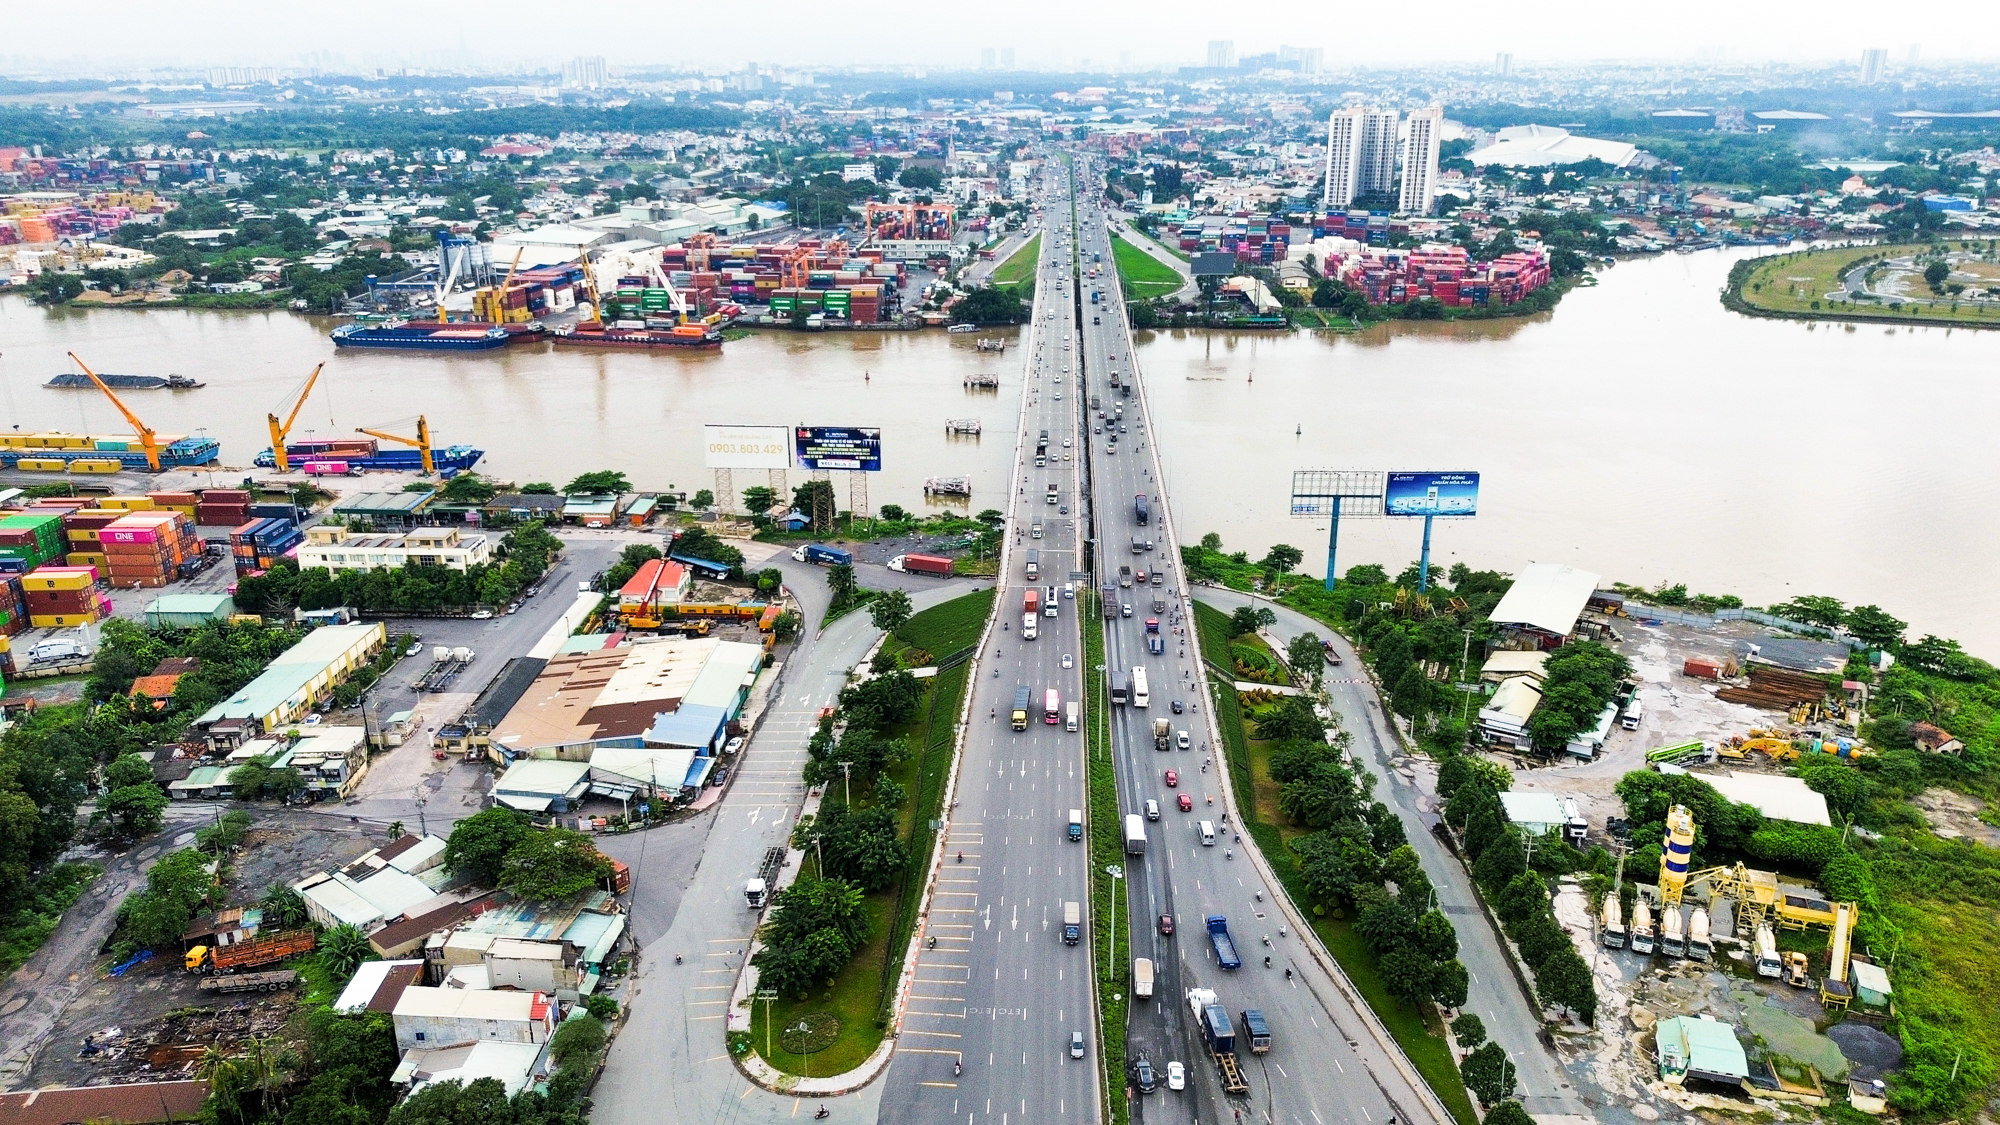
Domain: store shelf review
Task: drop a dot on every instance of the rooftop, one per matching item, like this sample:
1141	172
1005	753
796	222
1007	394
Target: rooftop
137	1103
606	694
1778	798
1704	1048
294	669
1548	597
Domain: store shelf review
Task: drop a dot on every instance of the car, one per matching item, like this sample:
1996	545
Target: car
1142	1073
1176	1076
1125	610
1173	779
483	615
1062	509
1183	741
1121	425
721	775
1067	443
1166	925
1097	429
416	648
1059	396
1067	663
1076	1044
1186	803
1065	456
1152	809
733	746
1176	705
513	608
531	591
1111	450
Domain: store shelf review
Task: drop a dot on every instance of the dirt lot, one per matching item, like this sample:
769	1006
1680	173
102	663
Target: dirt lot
153	1022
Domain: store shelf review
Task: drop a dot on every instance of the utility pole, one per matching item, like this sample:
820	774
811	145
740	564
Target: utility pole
847	783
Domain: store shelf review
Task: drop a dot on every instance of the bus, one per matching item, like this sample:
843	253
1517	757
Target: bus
1140	696
1052	707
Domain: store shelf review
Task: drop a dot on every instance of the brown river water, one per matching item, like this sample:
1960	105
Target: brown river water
1640	430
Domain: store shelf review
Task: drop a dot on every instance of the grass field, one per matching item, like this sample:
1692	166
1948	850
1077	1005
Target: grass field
1143	276
1797	285
1417	1032
859	996
1019	269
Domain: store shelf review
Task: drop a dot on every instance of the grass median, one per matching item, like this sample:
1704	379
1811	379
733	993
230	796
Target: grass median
1417	1031
1019	268
1143	276
1108	943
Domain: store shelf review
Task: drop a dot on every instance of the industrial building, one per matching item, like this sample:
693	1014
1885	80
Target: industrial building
1541	146
1778	798
1697	1047
338	549
1541	609
297	680
188	611
405	875
445	1017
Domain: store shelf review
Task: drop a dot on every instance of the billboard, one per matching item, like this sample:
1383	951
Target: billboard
746	447
1431	494
838	447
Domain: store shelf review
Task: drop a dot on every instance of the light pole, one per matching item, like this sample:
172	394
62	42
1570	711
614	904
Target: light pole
805	1056
767	995
847	783
1116	872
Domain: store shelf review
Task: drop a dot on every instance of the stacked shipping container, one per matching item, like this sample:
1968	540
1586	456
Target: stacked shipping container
148	548
222	507
258	544
63	597
30	539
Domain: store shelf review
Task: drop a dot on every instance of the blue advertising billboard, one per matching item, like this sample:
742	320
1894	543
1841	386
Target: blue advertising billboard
1431	494
839	447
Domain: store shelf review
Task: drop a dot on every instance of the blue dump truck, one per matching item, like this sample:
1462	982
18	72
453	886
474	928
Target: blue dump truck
822	556
1225	946
1219	1036
1256	1031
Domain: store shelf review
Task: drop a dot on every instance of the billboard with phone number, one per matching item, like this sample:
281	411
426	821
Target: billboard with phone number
1431	494
745	447
857	448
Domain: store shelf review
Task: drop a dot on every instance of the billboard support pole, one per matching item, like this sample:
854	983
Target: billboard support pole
1424	560
1332	540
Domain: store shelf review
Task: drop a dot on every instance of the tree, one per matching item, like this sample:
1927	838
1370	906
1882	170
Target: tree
995	304
759	499
1450	983
283	907
1488	1073
344	948
538	488
1564	980
1435	936
177	886
602	482
1845	788
579	1037
1469	1030
1813	610
468	488
786	627
860	845
132	811
1407	973
1305	656
890	609
1249	619
1386	926
840	583
479	844
1282	557
1872	626
552	864
894	513
1508	1113
703	500
1935	273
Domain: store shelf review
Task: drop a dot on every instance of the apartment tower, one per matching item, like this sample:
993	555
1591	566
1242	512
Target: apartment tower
1360	155
1420	162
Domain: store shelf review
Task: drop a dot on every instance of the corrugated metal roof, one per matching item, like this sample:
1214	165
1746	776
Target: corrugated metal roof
1778	798
1546	596
1533	809
294	668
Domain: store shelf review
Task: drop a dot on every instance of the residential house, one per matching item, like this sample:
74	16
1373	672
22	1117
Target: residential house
443	1017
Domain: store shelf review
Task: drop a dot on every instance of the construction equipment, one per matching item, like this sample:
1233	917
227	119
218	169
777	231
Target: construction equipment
278	432
1699	946
422	441
245	954
148	440
1676	850
1834	991
1612	930
1768	962
1642	927
1795	971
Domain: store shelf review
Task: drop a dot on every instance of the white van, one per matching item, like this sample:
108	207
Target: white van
1071	713
1635	713
1207	833
1027	626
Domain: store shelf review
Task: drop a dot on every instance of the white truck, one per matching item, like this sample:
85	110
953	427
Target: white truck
1142	978
1135	834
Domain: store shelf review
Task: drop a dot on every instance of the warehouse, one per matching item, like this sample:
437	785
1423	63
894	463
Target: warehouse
1542	607
582	699
1778	798
1696	1047
188	611
300	678
1543	146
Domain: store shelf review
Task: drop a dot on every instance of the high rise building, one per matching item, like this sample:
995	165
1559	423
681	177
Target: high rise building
1221	54
1912	54
1305	60
987	57
1503	63
1872	61
584	72
1420	162
1360	155
1006	58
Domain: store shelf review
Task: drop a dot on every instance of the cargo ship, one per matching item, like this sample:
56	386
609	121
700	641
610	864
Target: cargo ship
433	337
126	382
635	334
365	455
58	452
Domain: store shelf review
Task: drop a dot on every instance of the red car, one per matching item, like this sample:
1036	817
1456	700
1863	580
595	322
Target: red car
1187	803
1166	925
1173	779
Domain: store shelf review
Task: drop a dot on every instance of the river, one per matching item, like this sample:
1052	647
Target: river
1640	430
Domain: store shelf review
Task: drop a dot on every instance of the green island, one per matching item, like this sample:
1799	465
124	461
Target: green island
1142	276
1019	268
1947	282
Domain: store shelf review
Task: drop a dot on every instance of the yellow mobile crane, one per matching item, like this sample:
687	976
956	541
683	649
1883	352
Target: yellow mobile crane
148	440
422	441
279	432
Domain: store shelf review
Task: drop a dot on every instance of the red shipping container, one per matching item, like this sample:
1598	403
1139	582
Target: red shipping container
1702	669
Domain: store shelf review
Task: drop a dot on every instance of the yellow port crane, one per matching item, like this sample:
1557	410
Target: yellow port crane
278	432
422	441
148	440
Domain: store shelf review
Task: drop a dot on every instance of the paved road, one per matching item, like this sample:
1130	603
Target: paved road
1495	993
670	1062
1001	993
1330	1061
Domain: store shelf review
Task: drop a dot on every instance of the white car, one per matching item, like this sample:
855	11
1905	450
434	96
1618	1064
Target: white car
1066	443
1067	662
732	746
1176	1076
483	615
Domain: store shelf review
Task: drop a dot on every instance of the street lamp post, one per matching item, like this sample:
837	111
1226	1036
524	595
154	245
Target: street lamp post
767	995
1116	872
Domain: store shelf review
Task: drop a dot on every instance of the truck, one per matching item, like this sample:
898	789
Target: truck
1028	622
1142	509
1135	834
1219	1035
1642	927
822	556
758	890
1121	687
1162	733
246	954
1256	1031
1076	825
1673	943
1156	644
1225	946
1142	978
1124	577
1152	624
1054	492
1072	923
1611	931
251	982
935	565
1031	602
1017	716
1768	962
1034	564
1699	947
1107	600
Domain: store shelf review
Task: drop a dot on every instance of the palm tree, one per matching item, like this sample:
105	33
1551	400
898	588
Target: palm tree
344	948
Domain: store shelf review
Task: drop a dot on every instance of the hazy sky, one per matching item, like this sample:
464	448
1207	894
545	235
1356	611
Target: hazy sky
117	33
